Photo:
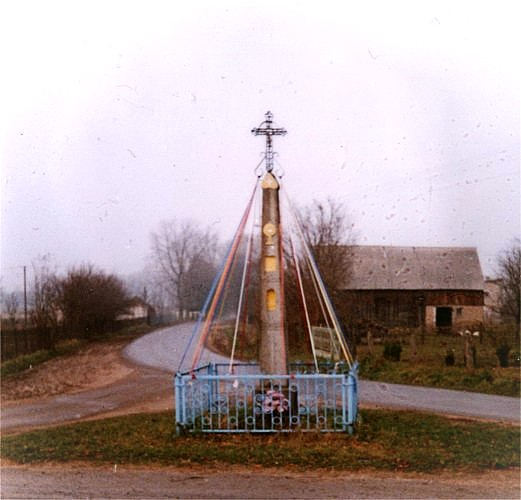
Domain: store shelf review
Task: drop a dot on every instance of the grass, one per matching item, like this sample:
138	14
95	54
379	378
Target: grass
427	365
24	362
500	381
21	363
386	440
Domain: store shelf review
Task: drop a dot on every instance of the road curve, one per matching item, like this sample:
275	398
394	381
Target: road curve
155	357
164	349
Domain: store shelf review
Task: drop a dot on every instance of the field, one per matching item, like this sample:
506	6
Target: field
438	360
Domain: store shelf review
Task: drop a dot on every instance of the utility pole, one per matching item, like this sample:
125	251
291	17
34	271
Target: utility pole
25	297
273	346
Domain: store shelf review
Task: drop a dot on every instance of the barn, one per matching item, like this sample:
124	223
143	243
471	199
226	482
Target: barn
436	287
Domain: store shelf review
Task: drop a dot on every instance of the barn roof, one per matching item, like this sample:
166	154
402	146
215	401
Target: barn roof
414	268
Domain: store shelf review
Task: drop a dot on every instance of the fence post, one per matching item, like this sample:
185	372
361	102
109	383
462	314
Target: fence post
213	395
352	397
180	399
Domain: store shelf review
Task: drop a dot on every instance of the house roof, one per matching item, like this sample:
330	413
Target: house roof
137	301
414	268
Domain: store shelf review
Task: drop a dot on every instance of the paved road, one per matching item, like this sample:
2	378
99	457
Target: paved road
443	401
164	349
160	353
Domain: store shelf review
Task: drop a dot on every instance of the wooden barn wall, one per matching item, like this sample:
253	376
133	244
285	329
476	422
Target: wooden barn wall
402	307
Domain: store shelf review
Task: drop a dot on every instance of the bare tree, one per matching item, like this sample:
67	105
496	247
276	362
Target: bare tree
197	282
158	295
181	252
46	303
330	235
11	305
509	271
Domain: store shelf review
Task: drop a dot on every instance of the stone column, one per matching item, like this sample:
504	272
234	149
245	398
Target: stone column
273	347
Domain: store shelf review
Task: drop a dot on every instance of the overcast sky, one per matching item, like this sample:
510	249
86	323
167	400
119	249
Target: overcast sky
117	115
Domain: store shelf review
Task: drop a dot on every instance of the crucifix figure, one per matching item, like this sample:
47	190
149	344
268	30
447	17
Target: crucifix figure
267	130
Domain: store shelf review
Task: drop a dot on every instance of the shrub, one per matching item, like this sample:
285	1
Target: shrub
28	361
502	355
91	300
392	351
450	359
24	362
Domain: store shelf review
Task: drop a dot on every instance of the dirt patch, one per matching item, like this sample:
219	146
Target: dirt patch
113	481
94	366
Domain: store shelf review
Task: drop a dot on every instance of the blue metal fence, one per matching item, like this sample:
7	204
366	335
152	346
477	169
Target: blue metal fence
207	400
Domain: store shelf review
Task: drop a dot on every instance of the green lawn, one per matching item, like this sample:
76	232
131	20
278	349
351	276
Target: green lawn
500	381
385	440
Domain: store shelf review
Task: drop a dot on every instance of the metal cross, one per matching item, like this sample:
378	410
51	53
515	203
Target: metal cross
266	129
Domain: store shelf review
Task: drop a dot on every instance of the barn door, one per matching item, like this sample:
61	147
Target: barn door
443	317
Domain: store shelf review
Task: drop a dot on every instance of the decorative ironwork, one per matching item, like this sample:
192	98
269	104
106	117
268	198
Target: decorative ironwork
251	402
266	129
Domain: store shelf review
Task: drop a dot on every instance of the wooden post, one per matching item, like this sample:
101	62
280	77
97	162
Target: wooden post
469	357
370	343
414	349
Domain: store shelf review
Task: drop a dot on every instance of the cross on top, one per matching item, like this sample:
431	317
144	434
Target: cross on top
266	129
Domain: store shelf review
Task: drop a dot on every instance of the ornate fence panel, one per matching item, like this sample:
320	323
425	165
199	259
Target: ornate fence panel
207	401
